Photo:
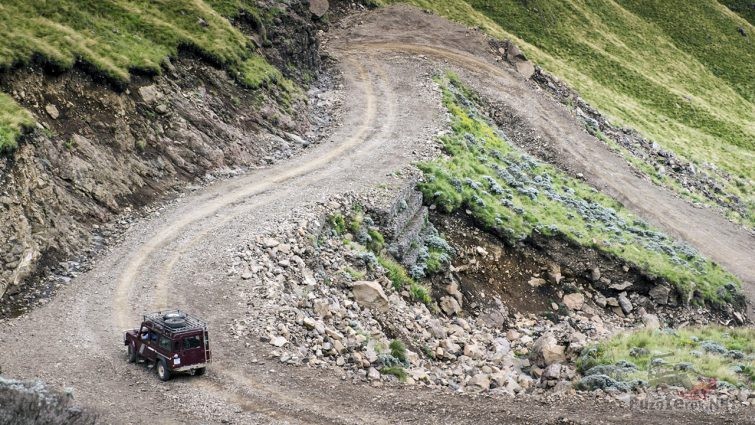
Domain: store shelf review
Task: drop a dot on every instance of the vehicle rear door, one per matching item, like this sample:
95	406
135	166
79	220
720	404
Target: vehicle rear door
192	349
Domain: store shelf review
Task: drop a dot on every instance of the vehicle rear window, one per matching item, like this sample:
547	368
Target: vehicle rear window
192	342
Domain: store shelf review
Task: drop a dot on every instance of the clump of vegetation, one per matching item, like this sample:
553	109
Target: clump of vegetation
337	223
117	37
420	293
398	350
397	371
514	195
675	357
396	273
691	91
376	241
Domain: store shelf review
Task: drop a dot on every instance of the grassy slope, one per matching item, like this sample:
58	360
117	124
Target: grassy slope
515	195
727	354
116	37
743	8
677	71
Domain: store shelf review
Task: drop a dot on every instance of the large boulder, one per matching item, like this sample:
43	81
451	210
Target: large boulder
319	7
450	306
370	294
546	351
574	301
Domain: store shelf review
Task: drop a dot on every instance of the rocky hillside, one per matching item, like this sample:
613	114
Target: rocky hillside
105	108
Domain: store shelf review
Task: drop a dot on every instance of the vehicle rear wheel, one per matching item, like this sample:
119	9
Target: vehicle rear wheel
131	353
199	372
162	370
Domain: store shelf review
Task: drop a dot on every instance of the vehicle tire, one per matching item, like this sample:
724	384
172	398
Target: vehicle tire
175	322
173	315
131	353
162	370
199	372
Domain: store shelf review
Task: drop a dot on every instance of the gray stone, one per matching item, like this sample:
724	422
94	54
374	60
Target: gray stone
52	111
574	301
553	371
373	374
625	304
546	351
536	282
370	294
621	286
278	341
150	94
526	68
480	381
319	7
659	294
450	306
651	321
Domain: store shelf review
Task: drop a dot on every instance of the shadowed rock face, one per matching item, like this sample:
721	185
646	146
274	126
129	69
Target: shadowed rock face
98	153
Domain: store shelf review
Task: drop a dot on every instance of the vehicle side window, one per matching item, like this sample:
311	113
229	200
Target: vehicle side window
192	342
165	343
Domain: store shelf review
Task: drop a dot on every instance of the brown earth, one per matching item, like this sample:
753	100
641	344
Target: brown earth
180	258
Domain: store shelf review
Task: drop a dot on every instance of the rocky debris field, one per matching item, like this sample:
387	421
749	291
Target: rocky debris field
32	402
320	295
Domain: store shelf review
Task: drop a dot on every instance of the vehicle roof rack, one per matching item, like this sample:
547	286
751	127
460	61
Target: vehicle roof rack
191	322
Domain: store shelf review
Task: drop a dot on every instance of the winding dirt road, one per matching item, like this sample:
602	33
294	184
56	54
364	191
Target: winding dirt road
181	258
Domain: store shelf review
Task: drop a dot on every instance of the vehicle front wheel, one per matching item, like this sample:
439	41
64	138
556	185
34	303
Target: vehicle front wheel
162	370
131	353
199	371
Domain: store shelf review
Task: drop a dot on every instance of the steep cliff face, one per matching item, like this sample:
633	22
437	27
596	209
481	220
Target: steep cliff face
98	150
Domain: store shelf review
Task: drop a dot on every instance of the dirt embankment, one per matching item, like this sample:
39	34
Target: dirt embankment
100	151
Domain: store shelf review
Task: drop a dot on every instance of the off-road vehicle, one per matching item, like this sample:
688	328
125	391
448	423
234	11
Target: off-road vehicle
171	341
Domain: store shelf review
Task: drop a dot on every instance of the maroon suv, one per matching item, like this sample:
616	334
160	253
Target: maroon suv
172	341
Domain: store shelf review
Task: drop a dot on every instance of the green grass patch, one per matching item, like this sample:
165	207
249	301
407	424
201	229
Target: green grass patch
396	272
397	371
337	223
677	71
680	356
13	119
514	195
116	37
398	350
420	293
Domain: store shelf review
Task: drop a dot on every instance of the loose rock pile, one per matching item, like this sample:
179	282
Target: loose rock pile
321	299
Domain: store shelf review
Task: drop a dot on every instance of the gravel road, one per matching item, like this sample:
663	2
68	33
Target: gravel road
391	112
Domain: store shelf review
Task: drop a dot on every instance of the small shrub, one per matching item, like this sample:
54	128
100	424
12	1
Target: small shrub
376	241
420	293
396	371
337	223
395	272
398	350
